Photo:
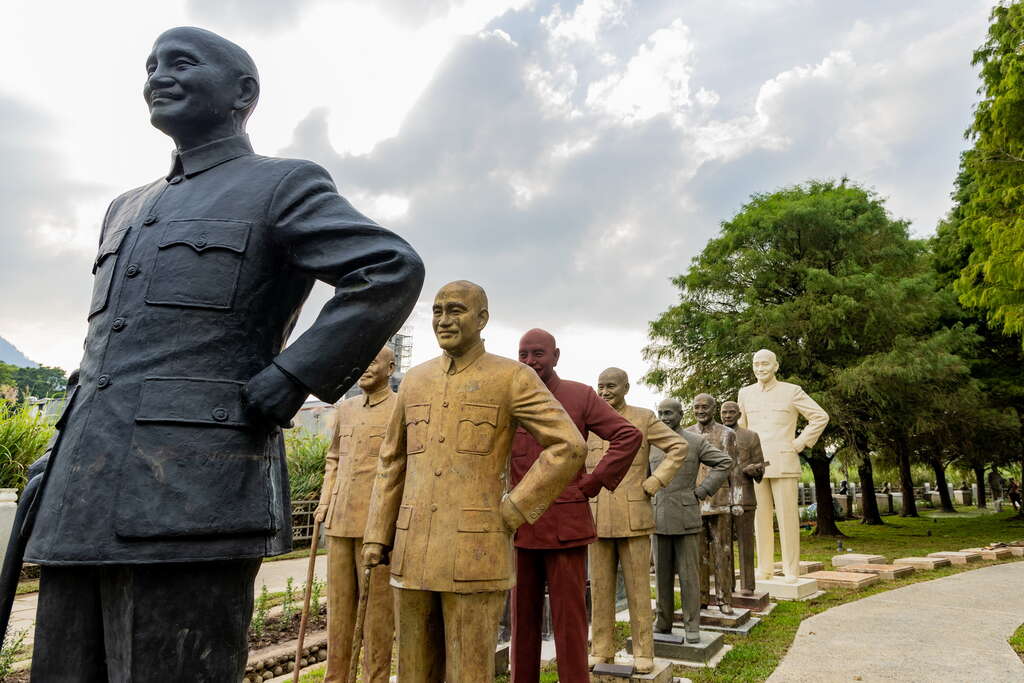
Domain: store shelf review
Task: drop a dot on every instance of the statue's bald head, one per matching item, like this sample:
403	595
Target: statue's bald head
730	413
670	411
538	350
459	316
378	373
704	408
766	364
612	386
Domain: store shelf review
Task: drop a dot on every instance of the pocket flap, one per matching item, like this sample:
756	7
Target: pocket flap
207	233
404	517
345	430
417	412
109	246
480	413
479	520
191	400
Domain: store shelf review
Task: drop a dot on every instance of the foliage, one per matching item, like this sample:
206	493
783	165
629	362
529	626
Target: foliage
288	606
23	439
258	624
993	212
12	646
41	382
307	454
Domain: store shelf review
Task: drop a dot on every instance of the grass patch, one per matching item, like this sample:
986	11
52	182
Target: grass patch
1016	641
30	586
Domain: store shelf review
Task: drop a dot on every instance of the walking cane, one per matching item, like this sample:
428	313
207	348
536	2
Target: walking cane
305	601
357	635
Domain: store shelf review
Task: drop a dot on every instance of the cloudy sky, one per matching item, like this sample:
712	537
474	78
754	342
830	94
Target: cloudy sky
570	156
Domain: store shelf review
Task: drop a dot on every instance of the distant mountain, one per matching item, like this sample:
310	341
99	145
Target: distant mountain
10	354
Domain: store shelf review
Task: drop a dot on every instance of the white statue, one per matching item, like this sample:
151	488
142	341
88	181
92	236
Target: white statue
771	408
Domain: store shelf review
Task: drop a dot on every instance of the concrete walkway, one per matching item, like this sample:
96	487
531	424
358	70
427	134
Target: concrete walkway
949	629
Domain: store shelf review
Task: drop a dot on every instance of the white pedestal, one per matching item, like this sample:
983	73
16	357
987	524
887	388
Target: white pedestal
781	589
8	508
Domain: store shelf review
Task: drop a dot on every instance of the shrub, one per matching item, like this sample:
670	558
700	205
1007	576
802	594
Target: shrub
23	439
307	452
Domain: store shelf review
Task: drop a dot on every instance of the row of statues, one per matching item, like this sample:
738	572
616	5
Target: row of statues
167	476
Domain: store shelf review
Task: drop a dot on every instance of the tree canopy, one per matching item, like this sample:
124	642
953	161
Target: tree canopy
40	382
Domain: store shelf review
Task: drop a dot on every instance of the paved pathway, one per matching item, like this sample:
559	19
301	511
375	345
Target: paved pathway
949	629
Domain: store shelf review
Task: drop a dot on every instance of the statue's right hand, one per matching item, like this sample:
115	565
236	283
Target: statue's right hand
320	514
372	554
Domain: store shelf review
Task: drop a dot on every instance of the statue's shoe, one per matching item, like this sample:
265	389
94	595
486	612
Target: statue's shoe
693	636
725	608
593	661
643	665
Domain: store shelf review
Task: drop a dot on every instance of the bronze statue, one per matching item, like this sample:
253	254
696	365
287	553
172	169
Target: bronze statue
169	483
359	426
716	511
625	522
748	468
678	525
440	503
771	408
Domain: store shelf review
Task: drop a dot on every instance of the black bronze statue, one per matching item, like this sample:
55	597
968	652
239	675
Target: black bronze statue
168	484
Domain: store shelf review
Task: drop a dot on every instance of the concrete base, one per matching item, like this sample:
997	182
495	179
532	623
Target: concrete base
767	609
666	647
783	590
1016	550
743	629
501	659
620	673
851	580
713	616
756	601
957	557
856	558
993	554
923	563
806	567
886	572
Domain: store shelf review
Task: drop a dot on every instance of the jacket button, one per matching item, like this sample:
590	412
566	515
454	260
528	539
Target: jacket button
175	180
433	508
440	439
103	381
437	473
220	414
150	219
118	324
132	270
201	241
445	404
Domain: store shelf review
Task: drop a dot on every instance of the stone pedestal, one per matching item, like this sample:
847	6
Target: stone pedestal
884	502
923	563
886	572
851	580
993	554
781	589
501	659
756	601
897	501
957	557
805	567
963	497
674	646
8	508
845	504
739	622
1016	550
621	673
856	558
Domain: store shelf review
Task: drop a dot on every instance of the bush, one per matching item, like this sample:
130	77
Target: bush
23	439
307	453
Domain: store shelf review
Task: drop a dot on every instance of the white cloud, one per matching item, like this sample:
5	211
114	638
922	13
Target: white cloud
587	20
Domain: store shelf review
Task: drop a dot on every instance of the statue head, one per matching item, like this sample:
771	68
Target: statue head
460	315
670	411
537	349
199	86
730	412
766	364
612	386
704	408
378	372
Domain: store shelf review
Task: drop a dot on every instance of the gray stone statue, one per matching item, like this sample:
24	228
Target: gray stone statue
168	483
678	524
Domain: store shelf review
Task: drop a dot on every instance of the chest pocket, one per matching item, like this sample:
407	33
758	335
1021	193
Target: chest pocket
478	423
103	269
198	262
344	437
374	438
417	421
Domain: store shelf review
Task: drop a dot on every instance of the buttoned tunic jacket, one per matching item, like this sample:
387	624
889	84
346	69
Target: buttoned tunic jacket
360	423
444	469
748	445
569	523
724	439
677	506
199	280
772	410
627	511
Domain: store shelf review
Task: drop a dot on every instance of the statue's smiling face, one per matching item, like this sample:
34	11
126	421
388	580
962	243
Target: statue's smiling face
765	365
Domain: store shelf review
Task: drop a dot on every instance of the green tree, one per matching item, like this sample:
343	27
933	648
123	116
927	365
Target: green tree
992	218
41	382
820	274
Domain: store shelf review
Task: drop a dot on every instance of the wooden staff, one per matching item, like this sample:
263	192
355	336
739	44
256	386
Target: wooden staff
357	634
305	601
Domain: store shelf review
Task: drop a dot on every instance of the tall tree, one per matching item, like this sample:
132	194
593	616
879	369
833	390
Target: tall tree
820	274
993	213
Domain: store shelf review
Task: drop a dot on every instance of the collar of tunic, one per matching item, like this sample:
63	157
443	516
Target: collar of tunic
376	397
189	162
769	385
453	365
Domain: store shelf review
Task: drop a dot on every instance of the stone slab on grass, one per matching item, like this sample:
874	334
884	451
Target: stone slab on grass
923	563
993	554
701	653
713	616
806	567
957	557
742	630
851	580
757	601
886	572
781	589
615	673
1016	550
856	558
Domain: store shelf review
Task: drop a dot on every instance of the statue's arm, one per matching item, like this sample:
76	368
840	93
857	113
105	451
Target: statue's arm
719	462
672	445
623	442
389	485
330	468
817	420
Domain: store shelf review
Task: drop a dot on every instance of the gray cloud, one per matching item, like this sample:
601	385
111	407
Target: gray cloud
259	16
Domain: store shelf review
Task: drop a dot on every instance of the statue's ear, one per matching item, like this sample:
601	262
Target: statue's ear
248	92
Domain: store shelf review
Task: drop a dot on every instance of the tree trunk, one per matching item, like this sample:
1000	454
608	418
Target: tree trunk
868	502
909	507
820	465
979	476
940	481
